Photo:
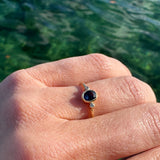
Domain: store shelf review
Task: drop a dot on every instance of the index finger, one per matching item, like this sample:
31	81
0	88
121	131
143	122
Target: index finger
72	71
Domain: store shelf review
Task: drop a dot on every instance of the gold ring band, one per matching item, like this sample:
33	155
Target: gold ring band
89	96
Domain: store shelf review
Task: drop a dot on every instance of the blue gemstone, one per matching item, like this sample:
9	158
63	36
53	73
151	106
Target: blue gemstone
90	95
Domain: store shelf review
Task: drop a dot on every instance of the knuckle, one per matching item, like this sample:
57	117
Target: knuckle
15	79
101	61
108	66
153	121
136	89
16	76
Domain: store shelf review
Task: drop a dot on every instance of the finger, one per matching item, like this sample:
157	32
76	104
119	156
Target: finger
117	134
113	94
153	154
72	71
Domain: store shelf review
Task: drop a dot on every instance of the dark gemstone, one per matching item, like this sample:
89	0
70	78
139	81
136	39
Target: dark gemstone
90	95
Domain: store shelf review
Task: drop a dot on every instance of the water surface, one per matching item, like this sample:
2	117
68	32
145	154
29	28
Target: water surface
37	31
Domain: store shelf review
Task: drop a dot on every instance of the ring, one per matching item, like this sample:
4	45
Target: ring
89	96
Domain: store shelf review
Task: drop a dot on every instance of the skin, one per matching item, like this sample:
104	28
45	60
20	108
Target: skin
43	117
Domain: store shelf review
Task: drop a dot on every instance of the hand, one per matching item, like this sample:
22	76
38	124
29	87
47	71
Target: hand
42	116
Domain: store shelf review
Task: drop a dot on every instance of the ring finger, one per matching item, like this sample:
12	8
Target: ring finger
113	94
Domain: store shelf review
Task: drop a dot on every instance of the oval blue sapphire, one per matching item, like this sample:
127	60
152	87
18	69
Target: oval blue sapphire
90	95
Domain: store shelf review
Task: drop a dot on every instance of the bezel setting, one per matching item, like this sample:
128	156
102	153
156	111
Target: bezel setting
89	96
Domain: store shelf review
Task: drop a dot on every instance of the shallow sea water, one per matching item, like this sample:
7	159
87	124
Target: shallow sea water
37	31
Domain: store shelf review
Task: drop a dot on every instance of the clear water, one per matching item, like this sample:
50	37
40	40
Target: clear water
37	31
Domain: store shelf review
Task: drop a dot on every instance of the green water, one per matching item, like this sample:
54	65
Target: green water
37	31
